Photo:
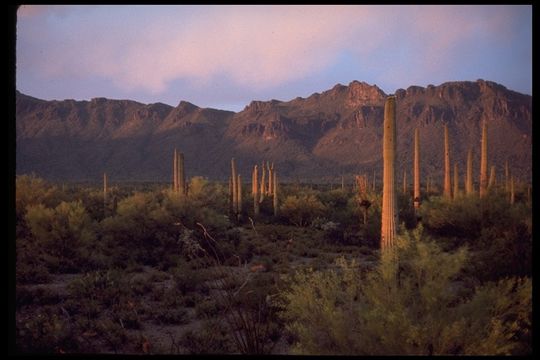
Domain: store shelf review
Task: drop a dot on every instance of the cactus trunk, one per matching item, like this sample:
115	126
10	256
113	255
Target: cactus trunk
389	218
469	181
483	162
275	192
416	194
447	185
231	197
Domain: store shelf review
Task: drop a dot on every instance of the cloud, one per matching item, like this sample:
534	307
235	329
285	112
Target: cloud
256	47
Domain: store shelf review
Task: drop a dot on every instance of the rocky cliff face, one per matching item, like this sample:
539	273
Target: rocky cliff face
320	137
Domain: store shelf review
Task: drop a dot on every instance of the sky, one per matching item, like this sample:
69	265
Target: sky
226	56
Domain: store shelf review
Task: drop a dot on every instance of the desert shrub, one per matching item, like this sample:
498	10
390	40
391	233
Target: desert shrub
48	331
409	304
63	233
301	210
502	253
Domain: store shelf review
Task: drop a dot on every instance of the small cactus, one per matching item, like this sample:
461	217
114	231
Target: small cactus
389	218
181	175
175	171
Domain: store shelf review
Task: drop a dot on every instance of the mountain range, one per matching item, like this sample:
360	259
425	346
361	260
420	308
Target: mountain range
319	138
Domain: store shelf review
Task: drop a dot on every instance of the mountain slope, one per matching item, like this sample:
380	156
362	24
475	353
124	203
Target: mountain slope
320	137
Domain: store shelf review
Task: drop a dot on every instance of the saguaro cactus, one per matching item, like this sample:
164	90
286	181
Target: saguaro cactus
456	180
231	197
447	185
255	190
270	177
469	181
389	219
483	162
416	191
275	192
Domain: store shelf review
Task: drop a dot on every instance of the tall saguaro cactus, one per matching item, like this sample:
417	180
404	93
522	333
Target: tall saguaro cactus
447	185
416	191
270	177
483	162
469	181
255	190
389	219
275	192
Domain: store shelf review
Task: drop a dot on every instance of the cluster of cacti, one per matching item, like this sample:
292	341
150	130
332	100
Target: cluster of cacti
179	179
447	185
389	218
483	162
416	169
469	190
259	190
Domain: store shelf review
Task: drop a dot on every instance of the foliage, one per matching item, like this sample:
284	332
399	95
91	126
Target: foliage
410	304
301	210
64	234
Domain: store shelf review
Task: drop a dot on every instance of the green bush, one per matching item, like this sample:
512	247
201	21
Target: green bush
411	304
301	210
